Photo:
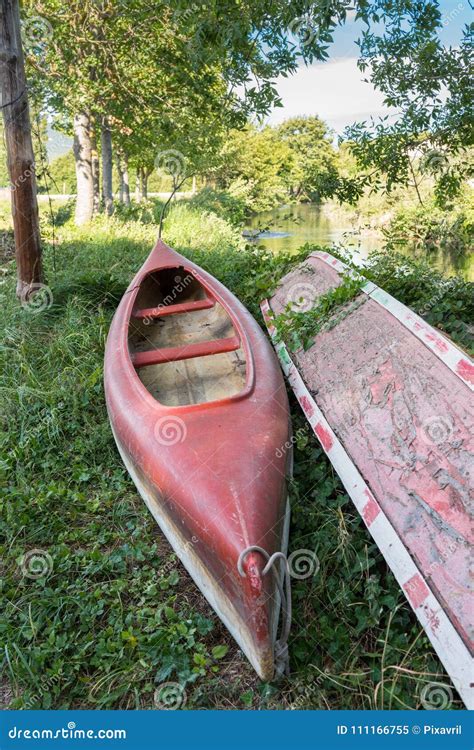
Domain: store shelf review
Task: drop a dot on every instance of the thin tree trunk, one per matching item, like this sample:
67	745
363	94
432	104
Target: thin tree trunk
118	164
95	163
138	185
415	183
19	153
106	148
126	181
84	178
144	183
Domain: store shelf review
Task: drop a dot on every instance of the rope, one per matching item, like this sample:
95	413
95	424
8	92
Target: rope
281	656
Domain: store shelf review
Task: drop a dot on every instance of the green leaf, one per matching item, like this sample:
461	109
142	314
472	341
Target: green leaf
218	652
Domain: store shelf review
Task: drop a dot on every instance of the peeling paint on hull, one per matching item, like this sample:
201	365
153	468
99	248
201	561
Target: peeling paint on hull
394	397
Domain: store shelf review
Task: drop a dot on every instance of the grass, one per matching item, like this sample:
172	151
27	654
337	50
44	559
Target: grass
115	615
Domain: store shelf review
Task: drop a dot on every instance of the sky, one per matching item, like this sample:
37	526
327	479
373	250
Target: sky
333	89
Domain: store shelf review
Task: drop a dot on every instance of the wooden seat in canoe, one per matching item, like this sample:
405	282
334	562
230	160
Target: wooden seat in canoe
175	327
178	353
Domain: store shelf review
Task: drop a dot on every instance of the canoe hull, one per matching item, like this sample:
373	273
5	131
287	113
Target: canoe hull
212	474
261	659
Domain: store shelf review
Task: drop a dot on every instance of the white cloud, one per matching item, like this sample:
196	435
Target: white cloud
333	90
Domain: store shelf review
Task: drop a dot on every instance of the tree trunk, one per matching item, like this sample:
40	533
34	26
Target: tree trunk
138	185
20	157
126	181
144	174
84	178
106	147
118	165
95	171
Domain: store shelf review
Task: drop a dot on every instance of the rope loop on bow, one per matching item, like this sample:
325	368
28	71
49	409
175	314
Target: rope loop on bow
281	656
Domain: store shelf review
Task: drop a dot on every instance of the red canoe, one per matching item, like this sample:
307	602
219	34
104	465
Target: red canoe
390	400
199	411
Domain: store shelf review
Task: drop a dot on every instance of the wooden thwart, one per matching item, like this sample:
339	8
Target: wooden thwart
177	353
164	310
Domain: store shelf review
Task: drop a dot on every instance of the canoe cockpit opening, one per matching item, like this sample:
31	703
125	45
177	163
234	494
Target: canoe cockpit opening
182	341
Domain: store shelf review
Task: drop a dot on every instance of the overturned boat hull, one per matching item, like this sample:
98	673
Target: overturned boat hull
390	400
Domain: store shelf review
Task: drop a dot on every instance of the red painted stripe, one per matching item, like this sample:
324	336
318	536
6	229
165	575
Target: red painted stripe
176	353
465	370
371	509
416	590
307	406
324	436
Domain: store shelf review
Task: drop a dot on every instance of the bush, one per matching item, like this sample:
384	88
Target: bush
223	203
427	229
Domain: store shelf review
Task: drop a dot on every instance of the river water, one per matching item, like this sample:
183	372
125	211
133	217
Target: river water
289	227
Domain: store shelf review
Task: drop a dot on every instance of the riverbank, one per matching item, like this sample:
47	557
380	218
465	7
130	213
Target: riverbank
114	615
443	239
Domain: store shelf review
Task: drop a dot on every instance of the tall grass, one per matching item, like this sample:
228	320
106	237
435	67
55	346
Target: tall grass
114	614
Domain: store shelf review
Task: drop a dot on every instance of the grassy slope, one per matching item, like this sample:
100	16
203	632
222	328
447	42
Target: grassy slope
118	615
